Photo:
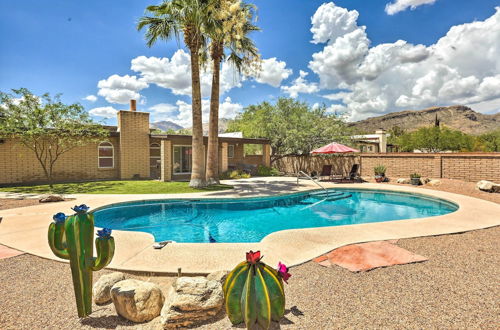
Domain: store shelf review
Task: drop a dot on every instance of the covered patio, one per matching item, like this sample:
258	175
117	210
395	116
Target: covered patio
173	158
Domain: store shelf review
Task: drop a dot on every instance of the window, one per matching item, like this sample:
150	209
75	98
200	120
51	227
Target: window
182	159
230	151
154	154
106	155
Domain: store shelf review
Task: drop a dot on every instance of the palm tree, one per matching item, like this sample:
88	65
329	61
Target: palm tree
229	29
168	21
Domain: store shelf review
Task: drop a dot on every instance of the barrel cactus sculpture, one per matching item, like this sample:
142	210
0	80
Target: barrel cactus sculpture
70	237
254	292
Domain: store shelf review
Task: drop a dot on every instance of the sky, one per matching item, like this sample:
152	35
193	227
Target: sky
358	58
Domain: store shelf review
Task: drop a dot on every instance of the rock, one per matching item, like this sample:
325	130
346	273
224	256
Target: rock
488	186
137	301
434	183
403	181
51	199
191	300
219	276
424	180
101	289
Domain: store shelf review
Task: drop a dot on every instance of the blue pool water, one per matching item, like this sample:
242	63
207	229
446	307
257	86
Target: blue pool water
250	220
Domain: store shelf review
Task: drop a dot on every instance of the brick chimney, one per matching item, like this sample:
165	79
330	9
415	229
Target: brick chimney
133	105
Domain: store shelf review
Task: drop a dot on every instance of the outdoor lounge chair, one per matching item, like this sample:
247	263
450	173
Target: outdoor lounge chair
353	175
326	171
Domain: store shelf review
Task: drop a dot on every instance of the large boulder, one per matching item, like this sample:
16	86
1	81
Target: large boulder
488	186
101	290
137	301
219	276
403	181
191	300
434	182
51	198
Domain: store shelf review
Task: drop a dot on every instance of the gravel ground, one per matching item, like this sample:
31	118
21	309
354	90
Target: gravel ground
10	203
461	187
457	288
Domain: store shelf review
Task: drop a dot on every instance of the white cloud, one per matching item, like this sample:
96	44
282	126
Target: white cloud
180	113
462	67
106	112
121	89
163	108
273	72
175	74
330	22
401	5
300	85
90	98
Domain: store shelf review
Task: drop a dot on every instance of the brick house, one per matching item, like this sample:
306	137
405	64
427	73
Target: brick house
131	151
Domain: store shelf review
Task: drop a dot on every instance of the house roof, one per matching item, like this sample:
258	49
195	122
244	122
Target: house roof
221	138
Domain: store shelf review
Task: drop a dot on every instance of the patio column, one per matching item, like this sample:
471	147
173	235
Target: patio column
223	164
166	160
266	154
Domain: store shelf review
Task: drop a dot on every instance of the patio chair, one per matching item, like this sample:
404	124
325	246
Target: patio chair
326	171
353	175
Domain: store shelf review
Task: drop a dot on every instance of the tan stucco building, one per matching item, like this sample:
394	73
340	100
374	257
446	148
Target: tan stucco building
132	151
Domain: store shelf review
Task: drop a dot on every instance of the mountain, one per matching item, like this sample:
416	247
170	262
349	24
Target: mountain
457	117
165	125
223	124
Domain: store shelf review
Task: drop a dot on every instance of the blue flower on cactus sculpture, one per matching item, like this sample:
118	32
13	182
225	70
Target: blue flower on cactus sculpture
59	217
71	238
104	233
80	208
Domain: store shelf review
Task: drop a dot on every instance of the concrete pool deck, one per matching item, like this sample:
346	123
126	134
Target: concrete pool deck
25	229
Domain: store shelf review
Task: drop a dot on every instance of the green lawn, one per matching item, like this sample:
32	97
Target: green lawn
114	187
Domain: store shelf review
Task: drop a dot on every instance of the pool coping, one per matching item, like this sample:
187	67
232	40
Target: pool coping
25	229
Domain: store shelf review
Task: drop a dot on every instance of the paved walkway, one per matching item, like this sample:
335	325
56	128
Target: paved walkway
26	229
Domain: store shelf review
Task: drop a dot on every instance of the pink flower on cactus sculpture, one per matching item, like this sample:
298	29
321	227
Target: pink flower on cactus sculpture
283	271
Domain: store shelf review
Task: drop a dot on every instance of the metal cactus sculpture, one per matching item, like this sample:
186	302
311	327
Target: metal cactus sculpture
70	237
254	292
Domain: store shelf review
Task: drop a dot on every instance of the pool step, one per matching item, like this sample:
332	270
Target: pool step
326	193
330	198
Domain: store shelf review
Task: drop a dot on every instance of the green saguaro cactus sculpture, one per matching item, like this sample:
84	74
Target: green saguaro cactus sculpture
254	292
70	237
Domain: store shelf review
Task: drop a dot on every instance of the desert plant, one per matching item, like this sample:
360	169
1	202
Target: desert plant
379	170
235	174
267	171
70	237
254	292
415	179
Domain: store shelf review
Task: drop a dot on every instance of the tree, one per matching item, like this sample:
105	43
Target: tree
168	21
229	28
293	127
46	126
436	139
491	140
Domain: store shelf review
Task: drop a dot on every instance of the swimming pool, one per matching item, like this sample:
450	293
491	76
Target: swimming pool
251	219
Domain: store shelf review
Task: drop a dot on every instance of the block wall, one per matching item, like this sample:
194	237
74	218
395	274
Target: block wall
18	164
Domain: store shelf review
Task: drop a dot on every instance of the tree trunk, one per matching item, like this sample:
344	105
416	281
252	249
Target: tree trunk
213	130
198	155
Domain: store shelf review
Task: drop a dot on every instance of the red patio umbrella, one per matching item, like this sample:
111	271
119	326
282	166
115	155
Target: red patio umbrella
333	148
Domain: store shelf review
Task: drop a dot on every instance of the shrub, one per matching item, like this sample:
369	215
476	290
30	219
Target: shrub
267	171
379	170
234	174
